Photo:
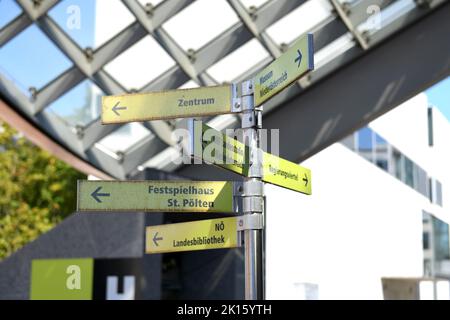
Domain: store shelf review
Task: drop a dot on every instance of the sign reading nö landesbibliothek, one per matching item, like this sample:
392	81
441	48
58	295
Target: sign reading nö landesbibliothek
191	236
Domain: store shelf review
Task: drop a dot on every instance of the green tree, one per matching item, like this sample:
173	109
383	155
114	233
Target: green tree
37	191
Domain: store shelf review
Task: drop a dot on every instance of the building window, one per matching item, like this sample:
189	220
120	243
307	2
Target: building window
398	163
438	193
426	241
381	153
430	189
409	172
422	181
383	164
374	148
380	142
441	240
435	191
427	269
365	143
430	127
349	142
436	247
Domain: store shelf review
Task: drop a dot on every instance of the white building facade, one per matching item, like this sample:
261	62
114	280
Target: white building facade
380	208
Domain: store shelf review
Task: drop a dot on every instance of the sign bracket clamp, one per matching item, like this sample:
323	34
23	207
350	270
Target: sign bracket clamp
250	222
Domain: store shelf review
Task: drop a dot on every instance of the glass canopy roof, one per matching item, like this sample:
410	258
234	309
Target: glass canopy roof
57	58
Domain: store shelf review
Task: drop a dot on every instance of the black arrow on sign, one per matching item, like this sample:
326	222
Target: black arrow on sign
299	58
156	239
96	194
306	180
116	108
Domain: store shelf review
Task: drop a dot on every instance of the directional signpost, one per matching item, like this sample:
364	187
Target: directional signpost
170	196
247	159
191	236
233	155
171	104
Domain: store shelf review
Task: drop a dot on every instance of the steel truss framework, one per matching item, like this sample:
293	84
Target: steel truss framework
156	149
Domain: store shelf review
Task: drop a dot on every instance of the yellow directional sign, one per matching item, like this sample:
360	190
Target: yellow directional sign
221	150
191	236
169	196
289	67
286	174
183	103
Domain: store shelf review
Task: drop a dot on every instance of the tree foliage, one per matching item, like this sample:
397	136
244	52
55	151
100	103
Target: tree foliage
36	191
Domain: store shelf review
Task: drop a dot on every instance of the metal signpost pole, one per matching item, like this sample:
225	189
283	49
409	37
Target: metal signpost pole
253	201
257	166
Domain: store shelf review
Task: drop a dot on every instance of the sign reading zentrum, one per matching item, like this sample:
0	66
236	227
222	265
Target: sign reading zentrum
172	104
191	236
289	67
169	196
216	148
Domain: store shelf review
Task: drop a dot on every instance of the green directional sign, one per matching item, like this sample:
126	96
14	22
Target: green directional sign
211	146
289	67
221	150
169	196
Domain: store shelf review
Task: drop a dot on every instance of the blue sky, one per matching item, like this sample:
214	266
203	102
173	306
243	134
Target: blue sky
35	68
31	60
439	96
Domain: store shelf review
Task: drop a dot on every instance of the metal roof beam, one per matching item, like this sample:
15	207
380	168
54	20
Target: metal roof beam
13	28
266	41
414	13
274	10
58	87
36	9
359	12
360	93
350	26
